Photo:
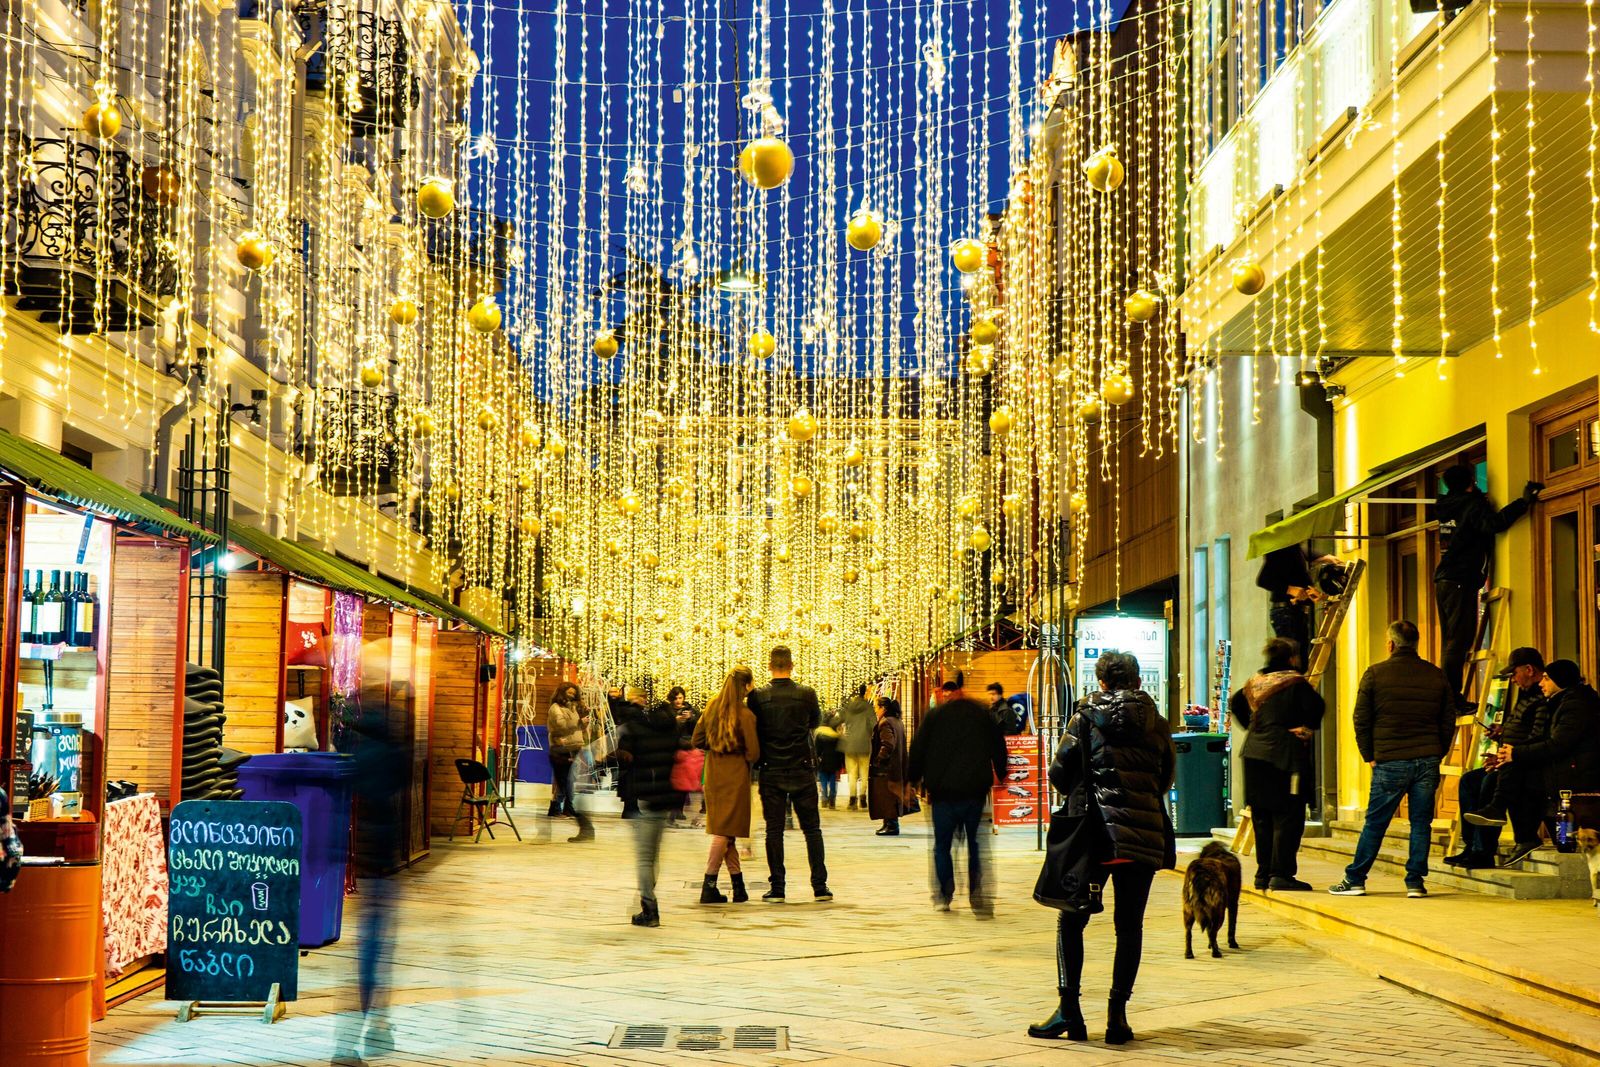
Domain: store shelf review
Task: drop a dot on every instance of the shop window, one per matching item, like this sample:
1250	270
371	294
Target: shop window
1200	630
1562	450
1221	600
1564	581
1566	578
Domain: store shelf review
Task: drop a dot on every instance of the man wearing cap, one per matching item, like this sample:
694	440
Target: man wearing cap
1487	791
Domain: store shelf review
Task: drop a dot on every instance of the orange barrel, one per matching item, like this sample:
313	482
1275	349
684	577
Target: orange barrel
49	927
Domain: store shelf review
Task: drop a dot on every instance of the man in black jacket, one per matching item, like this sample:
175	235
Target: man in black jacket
1569	759
1487	792
647	746
1404	719
957	755
786	716
1468	523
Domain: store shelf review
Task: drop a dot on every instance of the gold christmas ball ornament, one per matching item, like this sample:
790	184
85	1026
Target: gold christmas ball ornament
980	539
828	523
781	553
801	486
1001	420
766	162
864	231
1104	170
997	577
524	481
761	344
984	331
649	560
161	184
555	445
969	255
628	504
980	361
874	565
850	576
255	252
1090	409
403	312
802	425
875	642
613	547
967	506
452	491
824	628
1078	502
720	547
422	423
1141	305
1117	388
660	614
556	517
1011	505
102	119
530	435
1248	277
856	531
436	197
853	456
606	344
531	527
484	316
953	596
676	487
371	372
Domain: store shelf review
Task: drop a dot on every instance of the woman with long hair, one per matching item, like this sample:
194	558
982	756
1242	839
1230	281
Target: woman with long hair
727	731
886	788
1113	768
567	729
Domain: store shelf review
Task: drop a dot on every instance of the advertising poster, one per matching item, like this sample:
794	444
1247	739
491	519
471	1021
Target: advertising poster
1146	639
1024	795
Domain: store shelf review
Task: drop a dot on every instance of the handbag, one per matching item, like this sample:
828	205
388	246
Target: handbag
1072	878
688	766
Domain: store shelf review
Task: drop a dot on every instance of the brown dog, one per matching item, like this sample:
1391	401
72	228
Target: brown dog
1210	889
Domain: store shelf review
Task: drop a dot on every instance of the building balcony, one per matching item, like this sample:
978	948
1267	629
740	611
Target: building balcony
87	233
1304	185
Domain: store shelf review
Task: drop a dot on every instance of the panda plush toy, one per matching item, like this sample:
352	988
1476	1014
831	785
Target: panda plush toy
299	726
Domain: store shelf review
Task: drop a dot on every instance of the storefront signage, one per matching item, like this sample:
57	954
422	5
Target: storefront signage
233	916
1145	638
1023	797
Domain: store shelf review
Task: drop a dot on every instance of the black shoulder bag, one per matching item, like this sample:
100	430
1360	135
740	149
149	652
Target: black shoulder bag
1071	878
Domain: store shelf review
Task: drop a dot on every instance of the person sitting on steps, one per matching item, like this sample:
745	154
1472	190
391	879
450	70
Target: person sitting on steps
1486	792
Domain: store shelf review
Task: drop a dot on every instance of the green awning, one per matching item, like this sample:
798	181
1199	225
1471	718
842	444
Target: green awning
448	610
55	474
1322	518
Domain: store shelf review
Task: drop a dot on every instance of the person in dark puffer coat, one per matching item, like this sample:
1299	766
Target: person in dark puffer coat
648	747
1130	770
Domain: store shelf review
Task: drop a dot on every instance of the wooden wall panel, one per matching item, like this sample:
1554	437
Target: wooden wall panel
458	728
422	737
1133	529
145	605
250	681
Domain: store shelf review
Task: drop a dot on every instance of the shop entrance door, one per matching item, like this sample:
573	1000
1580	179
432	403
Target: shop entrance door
1566	440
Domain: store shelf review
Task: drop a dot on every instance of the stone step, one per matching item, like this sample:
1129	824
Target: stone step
1569	869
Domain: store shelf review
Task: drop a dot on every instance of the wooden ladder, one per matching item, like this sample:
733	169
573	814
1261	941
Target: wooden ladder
1322	646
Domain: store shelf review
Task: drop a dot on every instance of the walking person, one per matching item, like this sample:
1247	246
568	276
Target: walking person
648	747
629	710
1405	715
567	727
1113	770
886	790
786	715
956	758
689	770
1486	793
1468	523
727	731
830	761
855	721
1282	712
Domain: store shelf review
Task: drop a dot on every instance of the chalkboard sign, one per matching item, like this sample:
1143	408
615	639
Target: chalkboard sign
233	911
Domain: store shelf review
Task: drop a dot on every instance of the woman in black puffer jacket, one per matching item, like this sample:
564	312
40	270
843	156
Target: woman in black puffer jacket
1130	760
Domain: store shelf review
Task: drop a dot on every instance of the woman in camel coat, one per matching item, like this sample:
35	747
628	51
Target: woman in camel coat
727	731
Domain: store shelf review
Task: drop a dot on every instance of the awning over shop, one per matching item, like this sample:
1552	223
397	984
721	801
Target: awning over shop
1322	518
454	611
77	485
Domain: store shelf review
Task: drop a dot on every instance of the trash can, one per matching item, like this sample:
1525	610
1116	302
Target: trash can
1198	781
318	783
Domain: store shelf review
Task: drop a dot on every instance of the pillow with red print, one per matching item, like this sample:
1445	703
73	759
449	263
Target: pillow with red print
306	644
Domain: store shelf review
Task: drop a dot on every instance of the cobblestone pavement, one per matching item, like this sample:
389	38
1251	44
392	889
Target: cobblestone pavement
522	954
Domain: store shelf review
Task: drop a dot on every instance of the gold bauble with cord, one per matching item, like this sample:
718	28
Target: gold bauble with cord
102	119
660	614
371	372
1078	502
850	576
649	560
967	506
1104	171
254	251
1011	505
853	456
161	184
864	231
824	628
997	577
452	491
1248	277
530	435
875	643
676	487
613	547
525	481
557	518
531	527
484	316
1001	420
488	417
984	331
953	596
1141	305
856	531
1117	388
801	486
874	565
969	255
766	162
628	504
422	423
720	547
980	539
436	197
781	553
606	344
828	523
404	311
1090	409
802	425
979	362
761	344
555	446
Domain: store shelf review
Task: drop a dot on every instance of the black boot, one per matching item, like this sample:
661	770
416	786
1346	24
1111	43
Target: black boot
649	914
739	895
709	893
555	809
1118	1032
1066	1022
852	803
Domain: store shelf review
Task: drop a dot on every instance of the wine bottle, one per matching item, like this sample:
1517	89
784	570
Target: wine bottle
26	621
34	605
52	612
87	610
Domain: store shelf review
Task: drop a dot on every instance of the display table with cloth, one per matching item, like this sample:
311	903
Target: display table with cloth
133	882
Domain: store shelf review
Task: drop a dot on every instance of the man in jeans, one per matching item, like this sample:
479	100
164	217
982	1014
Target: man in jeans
786	715
1404	718
957	756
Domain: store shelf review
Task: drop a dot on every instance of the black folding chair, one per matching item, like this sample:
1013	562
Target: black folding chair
475	775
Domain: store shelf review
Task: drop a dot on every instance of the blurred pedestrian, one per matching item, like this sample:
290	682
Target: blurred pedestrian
958	755
1113	770
829	763
648	747
887	792
855	722
727	731
629	710
786	716
567	723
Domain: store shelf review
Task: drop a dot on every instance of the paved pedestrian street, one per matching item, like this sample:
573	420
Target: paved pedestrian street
512	953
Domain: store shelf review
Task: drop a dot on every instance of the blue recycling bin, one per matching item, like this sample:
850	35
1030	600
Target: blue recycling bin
1198	782
319	784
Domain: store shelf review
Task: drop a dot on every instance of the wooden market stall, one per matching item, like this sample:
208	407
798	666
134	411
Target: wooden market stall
468	667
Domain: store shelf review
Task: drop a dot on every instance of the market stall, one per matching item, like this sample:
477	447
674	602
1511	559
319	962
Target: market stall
468	666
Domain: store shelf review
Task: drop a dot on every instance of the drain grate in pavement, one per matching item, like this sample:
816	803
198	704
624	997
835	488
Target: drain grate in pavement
702	1038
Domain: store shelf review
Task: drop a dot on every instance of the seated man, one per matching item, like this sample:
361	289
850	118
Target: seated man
1568	759
1486	792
